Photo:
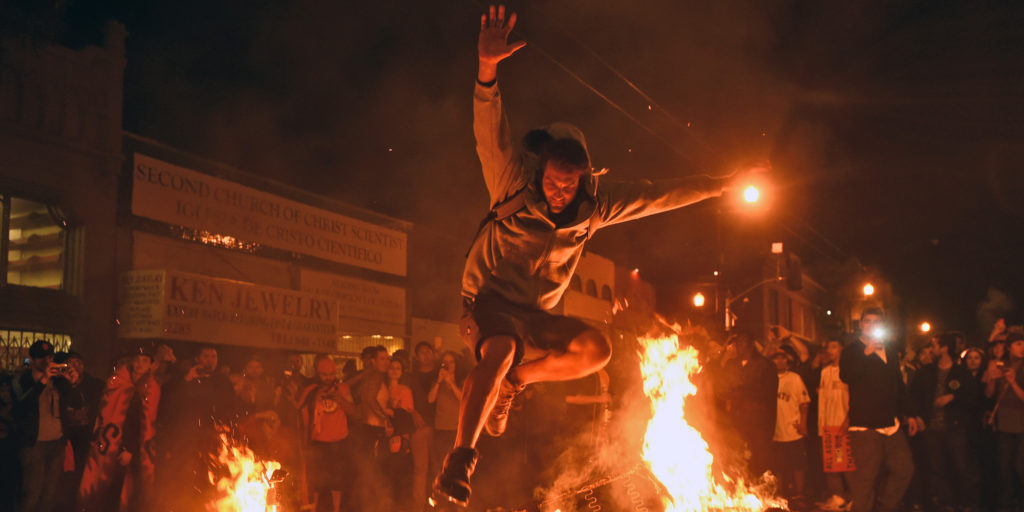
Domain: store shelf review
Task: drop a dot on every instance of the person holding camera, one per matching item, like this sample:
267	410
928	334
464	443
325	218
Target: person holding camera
195	404
1005	385
37	413
445	395
878	408
80	403
328	410
421	381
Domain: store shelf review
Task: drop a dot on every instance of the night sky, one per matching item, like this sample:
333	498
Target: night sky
894	127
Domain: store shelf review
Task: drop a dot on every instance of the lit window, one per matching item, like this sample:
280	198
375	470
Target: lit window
36	243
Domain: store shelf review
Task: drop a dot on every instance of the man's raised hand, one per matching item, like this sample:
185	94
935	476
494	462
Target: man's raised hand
493	45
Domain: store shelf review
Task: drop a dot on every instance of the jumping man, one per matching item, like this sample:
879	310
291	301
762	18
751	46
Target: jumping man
545	204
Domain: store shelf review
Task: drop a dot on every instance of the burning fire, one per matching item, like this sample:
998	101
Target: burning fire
675	452
242	481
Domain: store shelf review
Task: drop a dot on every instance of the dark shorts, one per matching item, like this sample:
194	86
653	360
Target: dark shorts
330	465
490	315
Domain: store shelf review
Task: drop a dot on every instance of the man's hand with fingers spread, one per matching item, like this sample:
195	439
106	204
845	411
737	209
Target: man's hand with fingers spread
493	45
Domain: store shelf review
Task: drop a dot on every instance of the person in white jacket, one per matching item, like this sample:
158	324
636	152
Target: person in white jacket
833	422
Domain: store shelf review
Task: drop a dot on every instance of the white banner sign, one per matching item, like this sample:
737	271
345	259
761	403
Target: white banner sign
176	195
212	310
358	298
141	304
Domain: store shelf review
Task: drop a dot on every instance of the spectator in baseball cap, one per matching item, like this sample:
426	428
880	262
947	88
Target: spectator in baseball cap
37	413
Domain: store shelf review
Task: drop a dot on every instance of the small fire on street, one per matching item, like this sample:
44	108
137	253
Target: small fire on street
674	451
243	483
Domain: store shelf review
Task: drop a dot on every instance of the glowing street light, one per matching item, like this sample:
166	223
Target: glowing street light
869	290
751	194
698	299
925	327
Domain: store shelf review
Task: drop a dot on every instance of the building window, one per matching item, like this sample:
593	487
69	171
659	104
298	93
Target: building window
576	284
35	235
606	293
591	288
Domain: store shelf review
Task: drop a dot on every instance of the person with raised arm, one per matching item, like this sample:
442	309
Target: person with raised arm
545	204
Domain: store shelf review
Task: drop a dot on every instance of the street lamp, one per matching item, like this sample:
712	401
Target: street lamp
925	327
869	290
749	201
698	300
751	194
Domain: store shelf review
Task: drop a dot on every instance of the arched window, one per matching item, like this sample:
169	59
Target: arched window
591	288
576	284
35	242
606	293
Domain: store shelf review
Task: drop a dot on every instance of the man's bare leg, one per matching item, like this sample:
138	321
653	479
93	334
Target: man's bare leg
481	388
585	354
479	393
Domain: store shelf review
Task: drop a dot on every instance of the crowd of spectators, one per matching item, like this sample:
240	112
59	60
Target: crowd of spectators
853	424
861	424
362	438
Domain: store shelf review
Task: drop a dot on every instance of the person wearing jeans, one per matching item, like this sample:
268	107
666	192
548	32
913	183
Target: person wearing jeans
37	413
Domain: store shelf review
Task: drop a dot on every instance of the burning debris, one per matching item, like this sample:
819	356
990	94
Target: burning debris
677	471
245	484
675	452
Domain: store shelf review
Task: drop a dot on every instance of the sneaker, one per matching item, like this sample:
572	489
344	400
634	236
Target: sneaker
498	419
452	485
834	504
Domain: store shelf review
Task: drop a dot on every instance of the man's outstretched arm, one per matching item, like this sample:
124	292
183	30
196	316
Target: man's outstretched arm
624	201
501	169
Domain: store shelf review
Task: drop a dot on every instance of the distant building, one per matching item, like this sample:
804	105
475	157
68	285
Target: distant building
774	301
108	237
60	141
591	292
214	255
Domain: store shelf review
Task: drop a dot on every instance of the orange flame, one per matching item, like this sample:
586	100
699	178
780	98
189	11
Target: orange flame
675	452
242	481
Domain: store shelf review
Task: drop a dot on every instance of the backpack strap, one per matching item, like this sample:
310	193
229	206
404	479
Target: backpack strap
501	211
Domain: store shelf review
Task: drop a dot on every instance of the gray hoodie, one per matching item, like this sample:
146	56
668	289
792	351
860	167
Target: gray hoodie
525	258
